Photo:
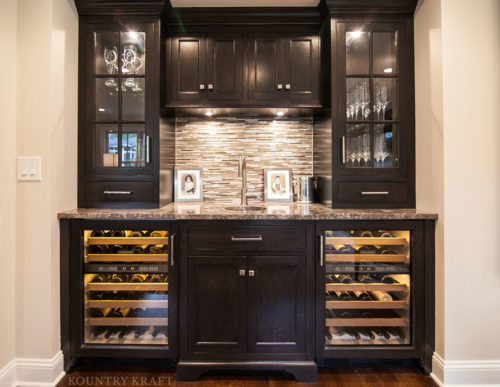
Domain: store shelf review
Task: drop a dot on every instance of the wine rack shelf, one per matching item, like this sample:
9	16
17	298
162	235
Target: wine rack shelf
127	321
127	241
157	304
366	304
367	287
127	257
366	258
366	322
364	340
129	340
360	241
138	287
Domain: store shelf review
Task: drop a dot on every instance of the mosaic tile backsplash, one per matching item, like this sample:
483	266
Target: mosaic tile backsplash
214	145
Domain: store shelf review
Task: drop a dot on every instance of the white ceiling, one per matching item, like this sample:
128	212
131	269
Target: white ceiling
244	3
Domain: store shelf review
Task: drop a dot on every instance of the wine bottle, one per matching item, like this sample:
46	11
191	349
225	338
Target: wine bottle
124	331
117	278
102	278
380	295
135	234
97	234
157	249
365	278
397	332
333	278
346	249
328	334
157	234
346	279
381	332
367	250
342	295
97	249
366	234
386	250
139	250
362	295
119	249
117	233
367	332
385	278
158	330
137	278
385	234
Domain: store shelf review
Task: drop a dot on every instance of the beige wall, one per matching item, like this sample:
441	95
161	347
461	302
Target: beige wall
429	136
46	127
471	101
8	164
457	47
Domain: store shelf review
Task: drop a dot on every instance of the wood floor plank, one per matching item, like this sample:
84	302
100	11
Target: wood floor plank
341	377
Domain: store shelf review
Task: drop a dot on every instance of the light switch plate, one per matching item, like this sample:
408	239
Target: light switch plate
29	168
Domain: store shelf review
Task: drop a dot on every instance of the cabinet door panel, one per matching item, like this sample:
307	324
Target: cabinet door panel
265	67
276	297
216	304
301	64
225	67
188	68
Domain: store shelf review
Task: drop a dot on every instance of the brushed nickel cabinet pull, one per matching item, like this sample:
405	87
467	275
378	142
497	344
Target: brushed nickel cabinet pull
242	272
321	251
342	139
288	86
251	273
280	86
117	192
148	149
375	193
172	250
210	86
202	87
257	238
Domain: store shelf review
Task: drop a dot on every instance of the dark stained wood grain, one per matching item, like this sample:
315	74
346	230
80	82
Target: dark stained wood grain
355	377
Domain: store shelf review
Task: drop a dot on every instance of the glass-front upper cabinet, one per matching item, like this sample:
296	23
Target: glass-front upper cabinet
119	103
371	104
119	75
374	131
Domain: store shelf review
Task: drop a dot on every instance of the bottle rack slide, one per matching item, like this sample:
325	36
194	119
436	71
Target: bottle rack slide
362	241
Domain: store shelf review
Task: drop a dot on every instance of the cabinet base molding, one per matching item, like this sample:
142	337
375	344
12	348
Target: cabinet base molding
465	372
304	371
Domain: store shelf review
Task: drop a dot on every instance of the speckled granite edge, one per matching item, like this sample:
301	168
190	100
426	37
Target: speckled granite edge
193	211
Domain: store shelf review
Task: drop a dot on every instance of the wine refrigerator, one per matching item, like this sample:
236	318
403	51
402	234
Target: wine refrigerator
366	293
124	299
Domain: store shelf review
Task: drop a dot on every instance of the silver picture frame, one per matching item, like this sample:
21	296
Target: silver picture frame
188	185
278	185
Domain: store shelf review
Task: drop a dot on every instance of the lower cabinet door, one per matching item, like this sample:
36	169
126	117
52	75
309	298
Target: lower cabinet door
216	304
276	296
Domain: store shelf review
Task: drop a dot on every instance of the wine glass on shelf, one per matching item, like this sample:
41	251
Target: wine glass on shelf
365	149
384	100
384	153
111	61
358	150
377	145
352	151
364	93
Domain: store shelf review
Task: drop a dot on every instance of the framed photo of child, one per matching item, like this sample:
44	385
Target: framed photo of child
278	185
188	185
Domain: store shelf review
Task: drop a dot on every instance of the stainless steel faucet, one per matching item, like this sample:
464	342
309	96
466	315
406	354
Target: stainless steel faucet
242	172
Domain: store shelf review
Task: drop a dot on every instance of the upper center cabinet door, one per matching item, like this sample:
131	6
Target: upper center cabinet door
301	68
225	67
188	76
265	82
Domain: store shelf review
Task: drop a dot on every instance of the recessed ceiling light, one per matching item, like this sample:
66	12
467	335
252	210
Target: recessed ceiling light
388	70
280	113
209	114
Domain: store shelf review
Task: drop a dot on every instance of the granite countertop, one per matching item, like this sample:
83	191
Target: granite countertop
278	211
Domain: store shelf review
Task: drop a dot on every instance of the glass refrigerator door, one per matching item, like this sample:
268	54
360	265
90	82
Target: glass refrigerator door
367	287
126	287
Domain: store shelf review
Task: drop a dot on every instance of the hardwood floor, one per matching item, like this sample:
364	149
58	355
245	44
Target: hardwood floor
351	377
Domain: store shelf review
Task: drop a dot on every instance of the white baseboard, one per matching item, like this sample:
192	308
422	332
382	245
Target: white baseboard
33	372
8	374
465	373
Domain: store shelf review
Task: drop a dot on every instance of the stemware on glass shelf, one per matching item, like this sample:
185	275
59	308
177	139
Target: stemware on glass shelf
358	99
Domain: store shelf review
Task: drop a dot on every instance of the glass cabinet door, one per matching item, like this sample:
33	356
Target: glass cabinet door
126	287
371	123
367	287
119	79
